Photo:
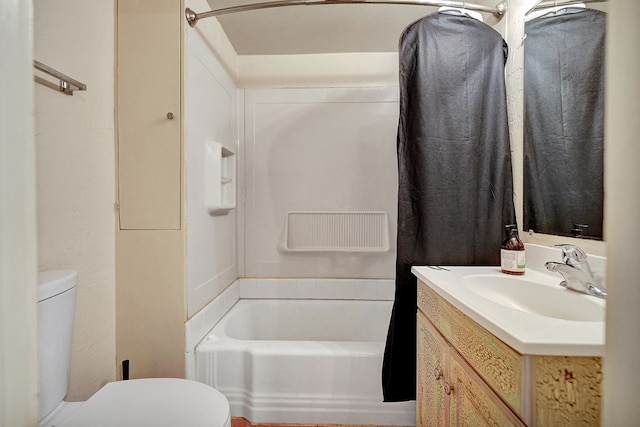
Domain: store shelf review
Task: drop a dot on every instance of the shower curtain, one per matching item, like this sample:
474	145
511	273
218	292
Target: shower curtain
454	167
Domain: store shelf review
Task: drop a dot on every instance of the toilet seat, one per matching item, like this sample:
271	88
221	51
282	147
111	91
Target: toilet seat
154	402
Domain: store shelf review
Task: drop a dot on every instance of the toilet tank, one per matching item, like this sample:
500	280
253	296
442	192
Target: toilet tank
56	311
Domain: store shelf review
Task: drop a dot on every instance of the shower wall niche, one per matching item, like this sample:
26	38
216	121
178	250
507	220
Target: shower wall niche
220	178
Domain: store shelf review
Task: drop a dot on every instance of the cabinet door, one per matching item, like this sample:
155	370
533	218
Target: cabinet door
499	365
148	90
432	402
472	402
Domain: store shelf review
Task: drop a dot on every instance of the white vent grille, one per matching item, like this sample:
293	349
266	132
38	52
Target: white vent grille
337	231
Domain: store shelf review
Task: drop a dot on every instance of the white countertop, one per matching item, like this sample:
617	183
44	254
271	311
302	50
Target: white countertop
526	332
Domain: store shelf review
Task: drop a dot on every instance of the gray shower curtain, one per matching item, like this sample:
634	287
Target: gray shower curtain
454	167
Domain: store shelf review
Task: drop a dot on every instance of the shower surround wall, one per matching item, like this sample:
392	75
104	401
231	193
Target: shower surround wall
318	150
211	116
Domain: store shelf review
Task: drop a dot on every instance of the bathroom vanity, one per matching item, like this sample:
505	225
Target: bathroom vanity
500	350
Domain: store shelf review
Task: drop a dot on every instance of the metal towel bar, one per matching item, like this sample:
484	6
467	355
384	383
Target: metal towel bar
67	84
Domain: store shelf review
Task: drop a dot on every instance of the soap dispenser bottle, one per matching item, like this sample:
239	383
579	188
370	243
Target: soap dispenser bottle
512	252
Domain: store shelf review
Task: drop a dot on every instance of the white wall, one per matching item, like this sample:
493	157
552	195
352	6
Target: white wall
320	70
76	175
18	334
216	38
211	100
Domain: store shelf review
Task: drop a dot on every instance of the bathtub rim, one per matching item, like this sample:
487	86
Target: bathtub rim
249	306
201	323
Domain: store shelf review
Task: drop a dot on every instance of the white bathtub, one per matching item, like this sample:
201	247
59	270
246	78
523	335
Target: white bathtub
302	361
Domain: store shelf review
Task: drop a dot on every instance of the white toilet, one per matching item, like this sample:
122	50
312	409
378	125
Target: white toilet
135	403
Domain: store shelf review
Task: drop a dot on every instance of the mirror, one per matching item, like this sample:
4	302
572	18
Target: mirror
564	121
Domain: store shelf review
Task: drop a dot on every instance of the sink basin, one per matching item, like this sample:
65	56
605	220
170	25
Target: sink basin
544	299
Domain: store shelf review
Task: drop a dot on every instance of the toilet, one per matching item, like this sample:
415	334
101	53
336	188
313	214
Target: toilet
134	403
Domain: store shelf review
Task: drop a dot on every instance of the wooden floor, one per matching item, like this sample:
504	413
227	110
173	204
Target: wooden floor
242	422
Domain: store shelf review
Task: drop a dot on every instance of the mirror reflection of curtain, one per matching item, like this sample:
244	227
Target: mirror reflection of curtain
564	122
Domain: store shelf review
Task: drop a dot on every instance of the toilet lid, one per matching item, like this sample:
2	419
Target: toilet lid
154	402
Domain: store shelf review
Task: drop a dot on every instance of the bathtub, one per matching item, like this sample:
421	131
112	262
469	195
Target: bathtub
302	361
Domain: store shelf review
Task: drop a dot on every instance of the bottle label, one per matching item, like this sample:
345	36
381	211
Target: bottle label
512	261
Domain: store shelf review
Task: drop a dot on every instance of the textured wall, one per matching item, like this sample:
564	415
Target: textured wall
75	170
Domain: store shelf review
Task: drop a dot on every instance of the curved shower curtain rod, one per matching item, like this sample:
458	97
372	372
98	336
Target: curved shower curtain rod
193	17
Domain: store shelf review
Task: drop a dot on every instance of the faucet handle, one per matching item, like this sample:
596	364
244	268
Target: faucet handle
571	253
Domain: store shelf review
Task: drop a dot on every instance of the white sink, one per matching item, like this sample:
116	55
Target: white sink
532	313
550	300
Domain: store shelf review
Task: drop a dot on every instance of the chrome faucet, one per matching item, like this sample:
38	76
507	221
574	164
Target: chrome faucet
576	272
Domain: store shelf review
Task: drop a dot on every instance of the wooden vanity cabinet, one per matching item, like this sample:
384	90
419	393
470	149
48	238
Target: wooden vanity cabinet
468	377
450	393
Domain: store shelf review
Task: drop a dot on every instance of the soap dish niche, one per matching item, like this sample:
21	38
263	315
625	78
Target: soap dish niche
220	178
